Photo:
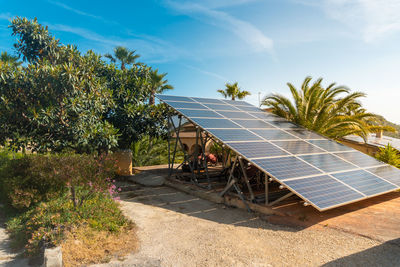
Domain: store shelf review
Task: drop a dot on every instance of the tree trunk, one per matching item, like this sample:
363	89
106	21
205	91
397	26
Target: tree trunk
152	99
122	65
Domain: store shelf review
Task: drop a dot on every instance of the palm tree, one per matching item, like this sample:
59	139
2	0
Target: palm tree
124	56
12	60
233	91
158	84
332	111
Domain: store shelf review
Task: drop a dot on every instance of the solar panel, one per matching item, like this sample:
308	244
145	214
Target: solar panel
257	149
219	107
327	162
321	171
249	108
208	100
359	159
298	147
330	145
253	124
237	102
365	182
387	172
196	113
283	124
286	167
323	191
236	114
215	123
174	98
274	134
226	135
304	134
176	104
265	116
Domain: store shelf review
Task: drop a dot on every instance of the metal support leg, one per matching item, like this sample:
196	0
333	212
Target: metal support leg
281	198
246	179
176	142
231	181
204	159
266	190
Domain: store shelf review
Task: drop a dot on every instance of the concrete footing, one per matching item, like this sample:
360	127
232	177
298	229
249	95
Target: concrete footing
53	257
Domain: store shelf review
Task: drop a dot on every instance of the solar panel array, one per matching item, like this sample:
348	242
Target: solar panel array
321	171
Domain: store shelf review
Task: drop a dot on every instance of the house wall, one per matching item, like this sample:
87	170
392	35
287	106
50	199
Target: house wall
365	148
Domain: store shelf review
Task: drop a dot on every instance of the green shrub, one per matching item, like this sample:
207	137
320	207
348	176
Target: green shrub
34	178
153	151
46	223
389	155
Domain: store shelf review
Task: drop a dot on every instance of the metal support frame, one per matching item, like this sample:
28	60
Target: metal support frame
233	181
191	159
280	199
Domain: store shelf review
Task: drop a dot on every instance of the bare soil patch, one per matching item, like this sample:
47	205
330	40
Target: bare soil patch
84	246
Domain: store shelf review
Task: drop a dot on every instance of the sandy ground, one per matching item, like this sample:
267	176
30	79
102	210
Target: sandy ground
7	257
176	229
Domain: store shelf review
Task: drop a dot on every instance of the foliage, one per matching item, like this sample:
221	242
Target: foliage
324	110
233	91
131	114
158	84
10	59
34	43
123	55
58	102
46	223
65	100
152	151
34	178
389	155
382	121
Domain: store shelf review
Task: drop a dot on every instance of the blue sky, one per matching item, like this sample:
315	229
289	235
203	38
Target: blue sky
260	44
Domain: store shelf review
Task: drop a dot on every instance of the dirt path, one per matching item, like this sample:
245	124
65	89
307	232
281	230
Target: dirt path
176	229
7	257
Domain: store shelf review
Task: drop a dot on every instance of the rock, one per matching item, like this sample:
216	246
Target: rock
53	257
147	179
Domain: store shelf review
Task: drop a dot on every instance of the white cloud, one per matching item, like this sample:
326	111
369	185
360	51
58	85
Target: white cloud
373	19
212	74
5	16
243	29
150	48
79	12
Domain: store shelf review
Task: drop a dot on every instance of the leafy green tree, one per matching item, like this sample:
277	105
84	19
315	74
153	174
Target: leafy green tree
389	155
158	85
10	59
65	100
131	113
124	56
233	91
332	111
152	151
34	40
58	101
58	107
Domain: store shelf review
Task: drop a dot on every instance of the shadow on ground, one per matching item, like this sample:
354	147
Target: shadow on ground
382	255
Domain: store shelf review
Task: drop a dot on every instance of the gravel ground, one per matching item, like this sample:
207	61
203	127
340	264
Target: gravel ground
176	229
7	257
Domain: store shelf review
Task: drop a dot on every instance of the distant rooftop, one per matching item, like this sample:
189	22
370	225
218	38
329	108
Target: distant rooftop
376	141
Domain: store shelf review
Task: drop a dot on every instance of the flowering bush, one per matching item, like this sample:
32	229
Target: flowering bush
35	178
46	223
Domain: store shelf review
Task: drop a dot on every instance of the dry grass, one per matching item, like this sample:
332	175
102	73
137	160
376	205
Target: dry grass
84	246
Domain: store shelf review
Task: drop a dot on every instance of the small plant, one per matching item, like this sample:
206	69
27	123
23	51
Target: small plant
34	178
389	155
46	223
152	151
